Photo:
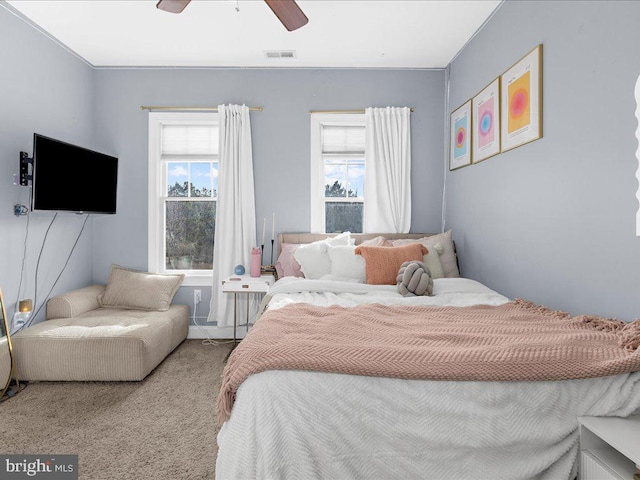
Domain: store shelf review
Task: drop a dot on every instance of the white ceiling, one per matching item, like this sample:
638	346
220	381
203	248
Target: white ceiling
211	33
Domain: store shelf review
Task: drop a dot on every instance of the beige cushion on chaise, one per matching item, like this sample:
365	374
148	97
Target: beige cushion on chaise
82	341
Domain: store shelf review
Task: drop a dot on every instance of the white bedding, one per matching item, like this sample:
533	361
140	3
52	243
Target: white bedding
456	292
313	425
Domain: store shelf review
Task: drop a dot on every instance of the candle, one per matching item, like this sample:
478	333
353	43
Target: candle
273	226
264	226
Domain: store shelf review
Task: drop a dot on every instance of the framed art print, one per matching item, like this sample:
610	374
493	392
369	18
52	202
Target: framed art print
460	155
521	105
486	122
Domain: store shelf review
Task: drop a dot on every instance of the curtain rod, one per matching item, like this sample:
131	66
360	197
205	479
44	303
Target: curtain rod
192	109
345	111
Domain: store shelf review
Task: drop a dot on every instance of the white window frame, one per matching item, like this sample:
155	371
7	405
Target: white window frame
319	120
157	181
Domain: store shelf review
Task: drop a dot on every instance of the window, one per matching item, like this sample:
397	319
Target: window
183	186
337	172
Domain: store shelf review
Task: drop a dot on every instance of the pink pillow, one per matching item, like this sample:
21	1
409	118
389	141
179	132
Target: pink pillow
287	266
382	263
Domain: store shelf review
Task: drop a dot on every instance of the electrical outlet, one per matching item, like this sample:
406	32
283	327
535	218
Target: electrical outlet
197	296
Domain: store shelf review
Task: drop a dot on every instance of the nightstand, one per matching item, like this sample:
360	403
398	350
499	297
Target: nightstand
245	285
609	447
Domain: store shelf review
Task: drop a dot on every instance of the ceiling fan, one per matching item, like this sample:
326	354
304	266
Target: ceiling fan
287	11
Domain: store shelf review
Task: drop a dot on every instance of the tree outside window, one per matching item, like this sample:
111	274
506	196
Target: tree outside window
190	215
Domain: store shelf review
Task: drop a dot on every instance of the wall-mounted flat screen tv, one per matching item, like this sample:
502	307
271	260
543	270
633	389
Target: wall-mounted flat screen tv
71	178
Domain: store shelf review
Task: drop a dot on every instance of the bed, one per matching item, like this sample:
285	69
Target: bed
461	420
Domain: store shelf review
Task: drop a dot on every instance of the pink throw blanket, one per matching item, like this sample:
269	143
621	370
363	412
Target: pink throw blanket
517	341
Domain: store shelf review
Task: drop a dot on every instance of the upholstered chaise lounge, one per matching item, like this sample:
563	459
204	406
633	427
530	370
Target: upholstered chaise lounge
91	335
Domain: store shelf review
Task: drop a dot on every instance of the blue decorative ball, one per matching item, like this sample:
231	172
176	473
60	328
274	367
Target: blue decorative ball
239	270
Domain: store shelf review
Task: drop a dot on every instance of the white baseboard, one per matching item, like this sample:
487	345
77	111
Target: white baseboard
214	332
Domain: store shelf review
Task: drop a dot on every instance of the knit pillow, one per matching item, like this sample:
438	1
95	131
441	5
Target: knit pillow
382	263
414	280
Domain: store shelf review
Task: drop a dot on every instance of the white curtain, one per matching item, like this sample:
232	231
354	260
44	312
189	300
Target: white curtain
387	187
236	210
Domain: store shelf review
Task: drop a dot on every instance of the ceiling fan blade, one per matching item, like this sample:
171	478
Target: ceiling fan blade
173	6
289	13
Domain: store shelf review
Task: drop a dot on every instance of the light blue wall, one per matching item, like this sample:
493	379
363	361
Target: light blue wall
48	90
44	89
280	140
554	221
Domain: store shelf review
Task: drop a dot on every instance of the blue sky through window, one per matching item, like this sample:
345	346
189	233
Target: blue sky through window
350	175
202	174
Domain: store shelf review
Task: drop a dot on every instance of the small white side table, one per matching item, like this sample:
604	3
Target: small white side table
609	447
247	285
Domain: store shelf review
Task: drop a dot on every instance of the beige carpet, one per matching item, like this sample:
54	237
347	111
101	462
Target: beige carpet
160	428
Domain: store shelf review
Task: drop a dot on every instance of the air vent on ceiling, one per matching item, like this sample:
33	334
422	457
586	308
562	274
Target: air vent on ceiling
280	53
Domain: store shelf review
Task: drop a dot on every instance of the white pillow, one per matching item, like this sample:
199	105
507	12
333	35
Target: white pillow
340	239
313	257
432	260
345	263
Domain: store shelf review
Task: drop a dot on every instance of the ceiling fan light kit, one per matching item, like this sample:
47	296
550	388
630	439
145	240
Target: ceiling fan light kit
287	11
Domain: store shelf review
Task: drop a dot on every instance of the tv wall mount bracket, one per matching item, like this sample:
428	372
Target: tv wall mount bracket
25	176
